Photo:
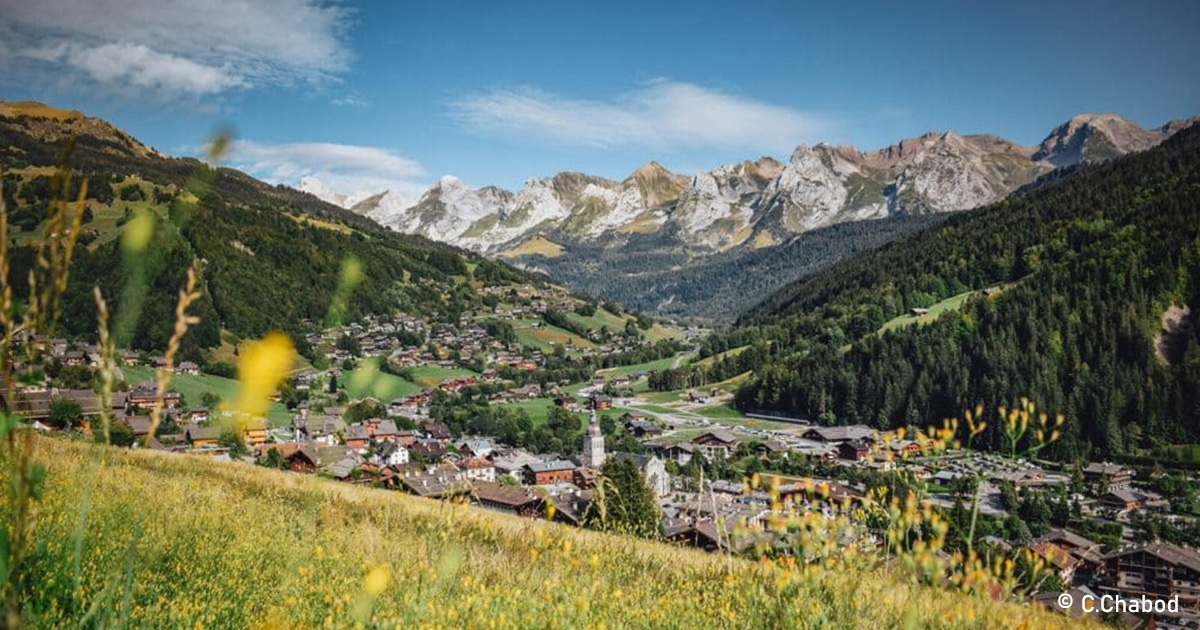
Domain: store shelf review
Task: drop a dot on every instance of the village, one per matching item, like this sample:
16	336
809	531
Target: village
345	418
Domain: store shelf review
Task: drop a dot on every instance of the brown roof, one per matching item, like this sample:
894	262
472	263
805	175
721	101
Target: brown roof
513	496
1173	554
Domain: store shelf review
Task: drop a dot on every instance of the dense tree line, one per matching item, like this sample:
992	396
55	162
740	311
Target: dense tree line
654	274
1086	267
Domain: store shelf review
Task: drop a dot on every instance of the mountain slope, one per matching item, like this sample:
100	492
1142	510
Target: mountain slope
269	257
238	546
1059	296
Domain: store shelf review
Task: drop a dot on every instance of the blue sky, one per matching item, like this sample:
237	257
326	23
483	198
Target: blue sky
369	95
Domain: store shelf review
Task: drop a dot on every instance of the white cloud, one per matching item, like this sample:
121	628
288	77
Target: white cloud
660	115
344	168
174	48
351	100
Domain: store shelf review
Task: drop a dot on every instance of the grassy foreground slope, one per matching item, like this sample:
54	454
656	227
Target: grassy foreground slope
233	546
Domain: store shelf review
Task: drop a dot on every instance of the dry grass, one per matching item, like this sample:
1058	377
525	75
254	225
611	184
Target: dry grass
234	546
537	246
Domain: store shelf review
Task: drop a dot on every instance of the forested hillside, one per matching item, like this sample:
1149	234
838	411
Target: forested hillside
652	278
268	257
1060	295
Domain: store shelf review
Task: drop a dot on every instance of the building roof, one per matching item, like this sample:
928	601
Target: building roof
558	464
514	496
1168	552
840	434
387	427
476	463
723	437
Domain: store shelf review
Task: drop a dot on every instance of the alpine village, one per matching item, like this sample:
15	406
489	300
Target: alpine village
950	383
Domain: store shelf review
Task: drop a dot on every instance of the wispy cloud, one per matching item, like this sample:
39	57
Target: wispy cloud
344	168
351	100
177	48
659	115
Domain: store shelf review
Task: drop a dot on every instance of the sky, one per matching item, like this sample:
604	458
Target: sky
370	96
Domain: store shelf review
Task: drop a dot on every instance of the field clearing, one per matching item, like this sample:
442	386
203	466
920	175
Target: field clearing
193	388
381	385
602	318
678	360
232	545
538	409
949	304
432	375
546	337
539	246
730	353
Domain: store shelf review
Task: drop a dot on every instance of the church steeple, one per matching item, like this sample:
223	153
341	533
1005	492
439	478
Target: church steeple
593	444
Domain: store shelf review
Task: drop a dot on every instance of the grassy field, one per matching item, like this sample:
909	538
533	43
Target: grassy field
600	319
546	337
237	546
678	360
430	375
383	386
949	304
193	387
732	352
538	409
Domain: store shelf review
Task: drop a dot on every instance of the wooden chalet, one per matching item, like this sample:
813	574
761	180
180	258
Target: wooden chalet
508	499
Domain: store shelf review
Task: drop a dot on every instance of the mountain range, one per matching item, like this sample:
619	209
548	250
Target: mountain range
754	204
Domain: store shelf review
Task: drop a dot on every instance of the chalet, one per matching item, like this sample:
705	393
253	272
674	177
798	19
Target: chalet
476	447
478	469
356	437
525	365
854	450
508	499
436	431
428	450
570	507
600	401
198	415
546	473
1122	499
715	444
528	392
1087	553
146	396
905	448
643	428
140	425
1108	476
1056	559
129	358
74	358
387	431
771	448
490	374
697	397
188	367
35	405
391	454
434	483
255	431
918	312
301	461
832	435
199	437
1157	570
679	453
